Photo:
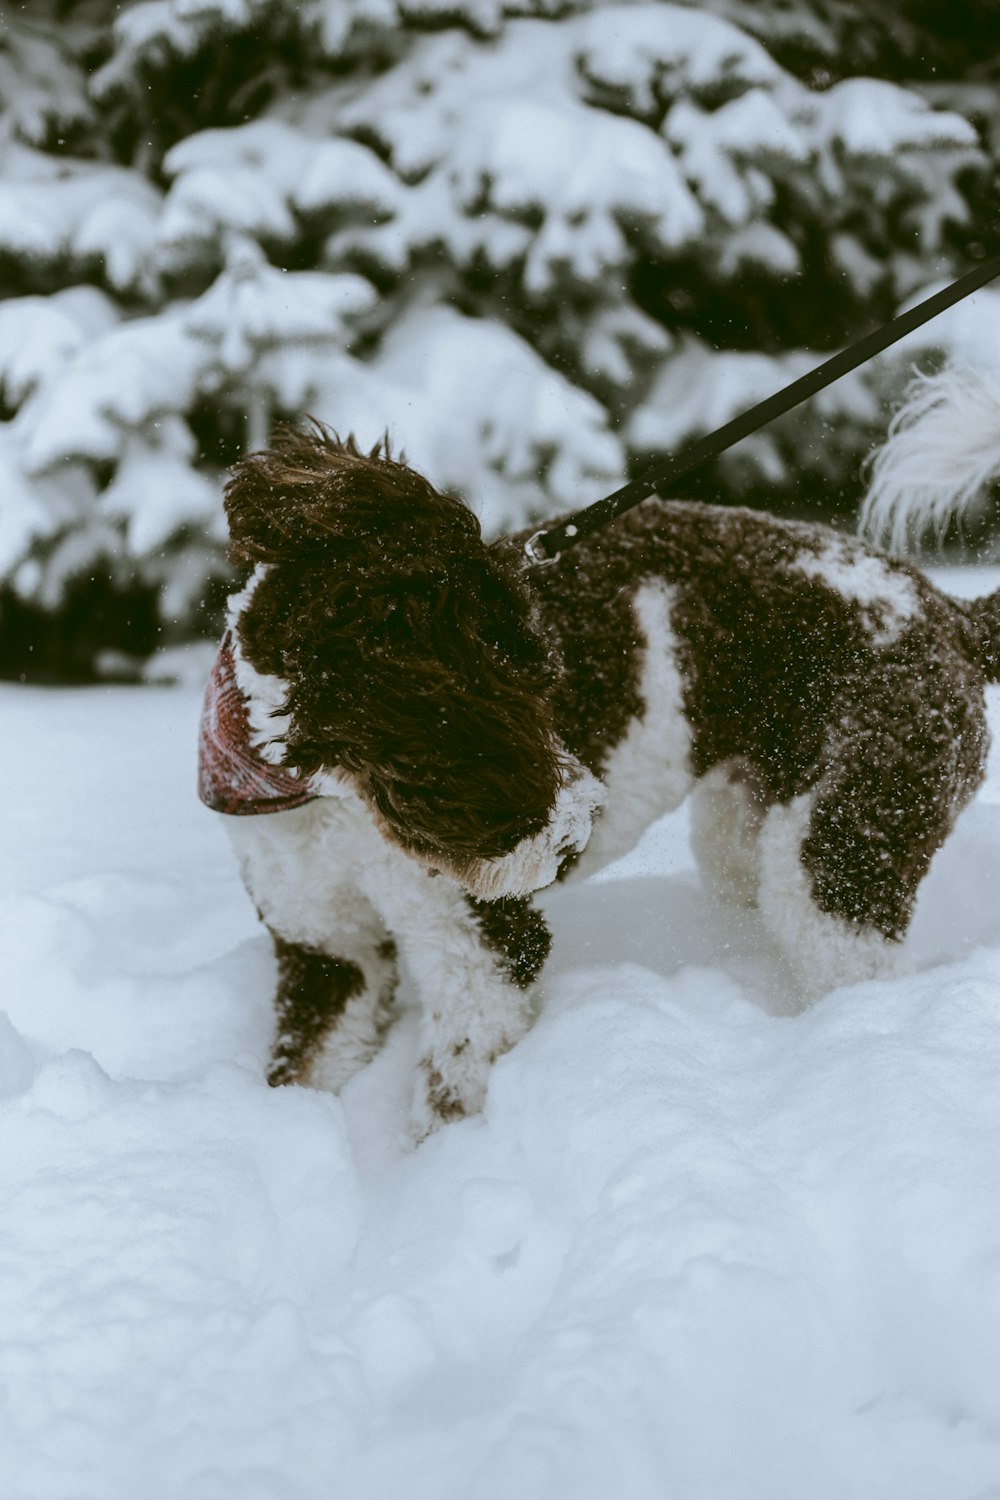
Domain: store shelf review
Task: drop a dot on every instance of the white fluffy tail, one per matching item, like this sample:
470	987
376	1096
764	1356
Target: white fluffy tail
942	451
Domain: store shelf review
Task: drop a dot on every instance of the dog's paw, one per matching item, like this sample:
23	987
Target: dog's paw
443	1096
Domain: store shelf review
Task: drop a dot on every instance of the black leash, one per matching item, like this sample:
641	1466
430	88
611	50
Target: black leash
546	545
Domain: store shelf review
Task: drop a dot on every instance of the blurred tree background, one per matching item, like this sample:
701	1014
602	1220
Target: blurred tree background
539	242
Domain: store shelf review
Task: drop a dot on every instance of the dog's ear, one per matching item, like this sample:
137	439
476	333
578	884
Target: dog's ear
407	646
311	494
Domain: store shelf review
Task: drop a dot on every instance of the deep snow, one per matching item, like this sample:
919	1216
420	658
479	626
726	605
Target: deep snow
698	1246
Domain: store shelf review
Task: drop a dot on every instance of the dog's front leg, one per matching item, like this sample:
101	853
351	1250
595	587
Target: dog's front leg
330	1010
474	963
479	1004
336	959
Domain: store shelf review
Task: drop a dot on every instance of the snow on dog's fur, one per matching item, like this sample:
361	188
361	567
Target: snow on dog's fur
463	719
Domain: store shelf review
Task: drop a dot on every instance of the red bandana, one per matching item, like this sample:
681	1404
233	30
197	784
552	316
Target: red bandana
233	776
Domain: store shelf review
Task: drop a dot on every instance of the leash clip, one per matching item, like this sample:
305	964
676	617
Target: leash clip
537	555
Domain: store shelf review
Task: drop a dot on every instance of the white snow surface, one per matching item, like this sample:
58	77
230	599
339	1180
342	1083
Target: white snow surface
698	1245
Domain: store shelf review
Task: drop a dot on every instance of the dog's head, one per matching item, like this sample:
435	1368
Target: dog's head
411	660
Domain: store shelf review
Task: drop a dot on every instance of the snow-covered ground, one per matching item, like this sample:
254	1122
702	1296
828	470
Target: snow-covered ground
697	1247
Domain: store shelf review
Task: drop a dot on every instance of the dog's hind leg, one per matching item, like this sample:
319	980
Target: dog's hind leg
827	940
728	807
841	865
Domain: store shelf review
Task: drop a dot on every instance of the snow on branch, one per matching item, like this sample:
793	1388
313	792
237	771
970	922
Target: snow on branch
36	507
85	212
252	307
131	375
39	335
156	491
869	119
646	56
585	179
514	168
42	86
261	179
146	35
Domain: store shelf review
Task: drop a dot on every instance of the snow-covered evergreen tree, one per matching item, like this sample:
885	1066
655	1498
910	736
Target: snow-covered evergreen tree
536	242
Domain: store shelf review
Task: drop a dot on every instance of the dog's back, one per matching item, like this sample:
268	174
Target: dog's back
726	647
781	632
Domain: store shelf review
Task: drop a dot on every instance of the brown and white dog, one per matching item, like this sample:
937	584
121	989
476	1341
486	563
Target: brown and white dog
425	731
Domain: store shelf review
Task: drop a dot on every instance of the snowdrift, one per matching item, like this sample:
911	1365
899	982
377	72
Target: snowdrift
697	1246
